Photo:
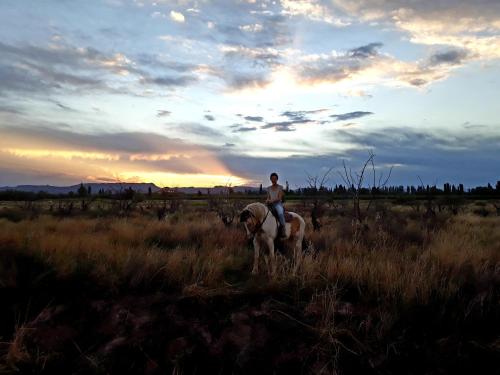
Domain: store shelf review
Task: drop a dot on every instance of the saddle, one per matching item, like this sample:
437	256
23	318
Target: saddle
288	216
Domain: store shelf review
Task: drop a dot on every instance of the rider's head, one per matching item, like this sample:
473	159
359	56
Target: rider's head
274	177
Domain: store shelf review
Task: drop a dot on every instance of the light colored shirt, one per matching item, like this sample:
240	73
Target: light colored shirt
274	191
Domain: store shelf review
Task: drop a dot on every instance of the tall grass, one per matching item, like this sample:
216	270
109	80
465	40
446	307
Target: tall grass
351	290
139	252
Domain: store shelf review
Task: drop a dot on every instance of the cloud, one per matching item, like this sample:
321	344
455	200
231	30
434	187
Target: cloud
436	156
64	107
285	126
177	16
243	129
299	116
366	65
119	155
452	57
366	51
63	69
252	28
163	113
472	26
351	115
198	129
241	81
254	118
255	57
10	109
313	10
170	81
334	67
50	136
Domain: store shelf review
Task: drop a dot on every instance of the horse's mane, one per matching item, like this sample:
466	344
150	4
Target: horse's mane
258	209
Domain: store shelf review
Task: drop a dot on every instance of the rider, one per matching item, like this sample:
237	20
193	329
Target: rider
274	198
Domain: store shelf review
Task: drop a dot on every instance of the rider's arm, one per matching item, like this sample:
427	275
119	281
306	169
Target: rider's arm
281	195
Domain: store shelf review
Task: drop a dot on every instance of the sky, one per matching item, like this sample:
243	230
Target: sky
203	93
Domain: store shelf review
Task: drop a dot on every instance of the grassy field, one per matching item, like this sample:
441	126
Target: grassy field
99	293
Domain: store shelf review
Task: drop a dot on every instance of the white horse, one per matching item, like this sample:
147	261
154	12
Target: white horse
262	226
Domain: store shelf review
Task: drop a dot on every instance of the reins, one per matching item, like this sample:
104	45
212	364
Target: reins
259	225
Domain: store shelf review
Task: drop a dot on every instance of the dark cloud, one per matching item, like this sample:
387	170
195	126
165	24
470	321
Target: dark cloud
155	61
209	117
254	118
294	118
64	107
418	82
170	81
451	57
295	115
241	81
25	81
163	113
243	129
10	109
37	69
285	126
441	157
255	58
351	115
366	51
127	142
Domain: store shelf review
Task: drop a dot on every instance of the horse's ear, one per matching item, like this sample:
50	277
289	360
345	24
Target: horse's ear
245	214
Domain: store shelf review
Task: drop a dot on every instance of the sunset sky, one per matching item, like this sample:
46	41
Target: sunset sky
203	93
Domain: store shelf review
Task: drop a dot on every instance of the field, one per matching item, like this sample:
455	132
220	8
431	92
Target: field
98	291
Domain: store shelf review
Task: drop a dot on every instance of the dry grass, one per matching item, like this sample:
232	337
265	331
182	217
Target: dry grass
451	268
141	252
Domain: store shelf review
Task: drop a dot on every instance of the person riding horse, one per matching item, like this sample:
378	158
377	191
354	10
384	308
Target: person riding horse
275	198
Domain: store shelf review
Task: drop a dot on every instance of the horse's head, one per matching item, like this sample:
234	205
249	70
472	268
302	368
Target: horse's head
245	215
249	221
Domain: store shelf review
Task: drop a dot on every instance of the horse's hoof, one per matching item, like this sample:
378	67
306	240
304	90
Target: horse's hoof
255	272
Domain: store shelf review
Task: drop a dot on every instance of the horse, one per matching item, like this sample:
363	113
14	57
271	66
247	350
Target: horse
262	226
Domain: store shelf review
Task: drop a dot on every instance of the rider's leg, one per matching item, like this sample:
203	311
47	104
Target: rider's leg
281	216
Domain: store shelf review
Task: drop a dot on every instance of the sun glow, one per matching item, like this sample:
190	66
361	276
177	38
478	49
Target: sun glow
105	167
182	179
62	154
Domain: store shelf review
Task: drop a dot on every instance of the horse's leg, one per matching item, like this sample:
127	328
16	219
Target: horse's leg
297	253
270	245
256	247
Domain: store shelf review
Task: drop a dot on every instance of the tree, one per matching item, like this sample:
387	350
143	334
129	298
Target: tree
226	207
82	191
317	185
356	179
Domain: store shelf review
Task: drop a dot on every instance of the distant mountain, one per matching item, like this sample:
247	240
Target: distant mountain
117	187
95	187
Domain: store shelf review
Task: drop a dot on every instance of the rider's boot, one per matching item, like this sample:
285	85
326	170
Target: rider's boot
281	232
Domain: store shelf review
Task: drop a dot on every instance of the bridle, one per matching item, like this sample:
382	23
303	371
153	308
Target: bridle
260	224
